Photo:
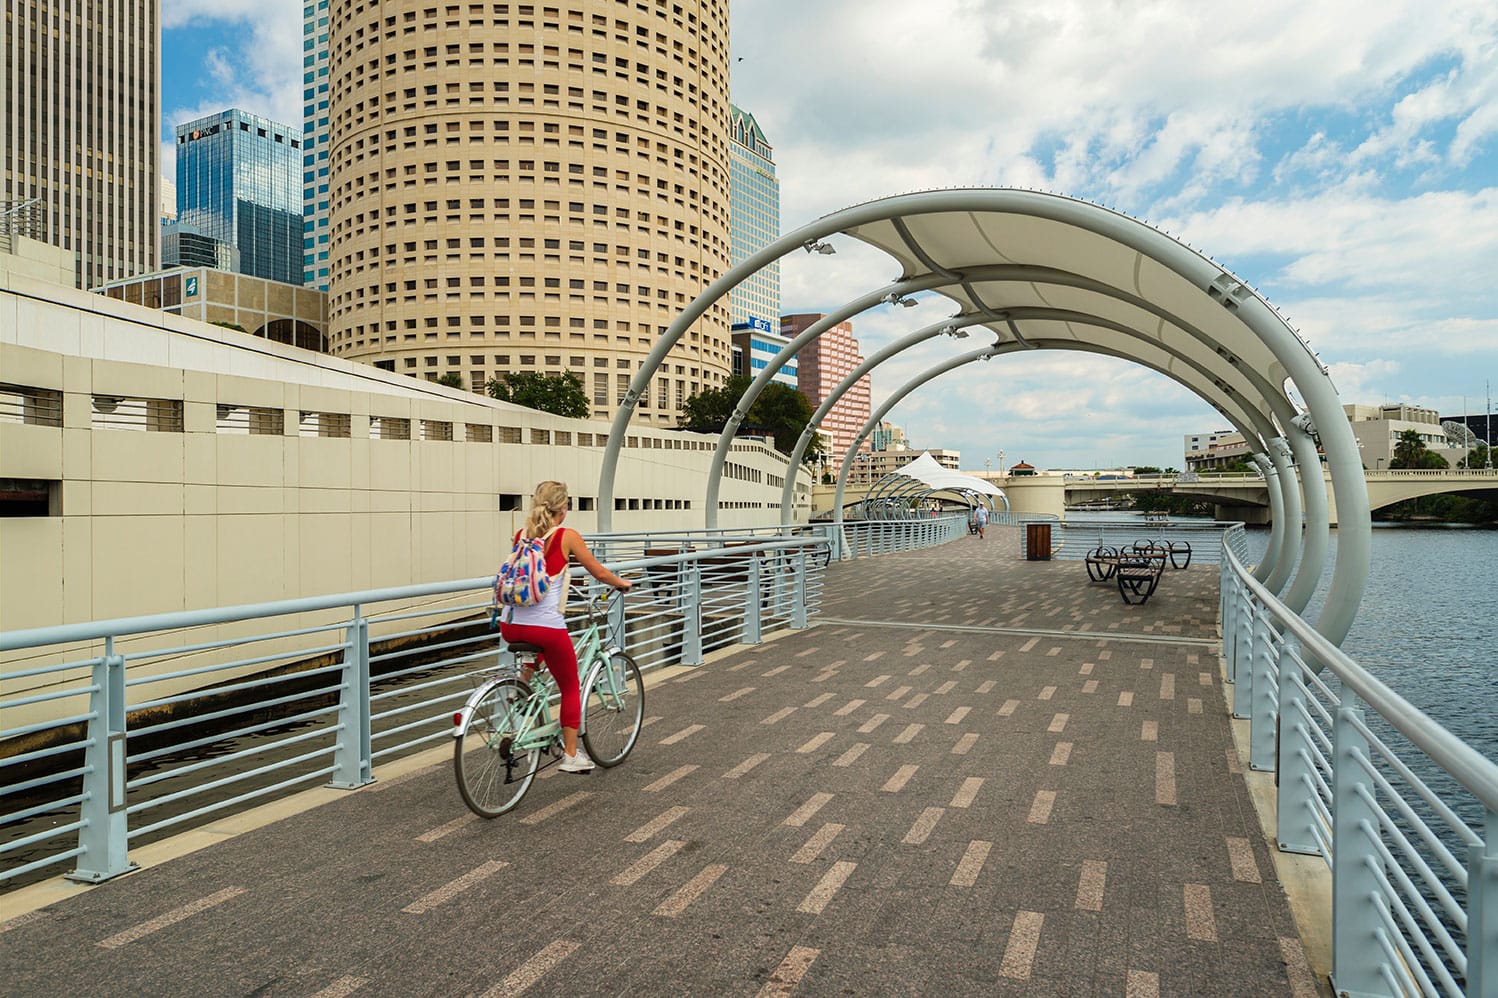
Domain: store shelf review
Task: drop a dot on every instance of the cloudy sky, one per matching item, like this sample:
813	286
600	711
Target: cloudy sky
1340	156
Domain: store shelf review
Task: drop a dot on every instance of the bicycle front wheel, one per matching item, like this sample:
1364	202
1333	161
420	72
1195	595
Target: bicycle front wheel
613	709
492	774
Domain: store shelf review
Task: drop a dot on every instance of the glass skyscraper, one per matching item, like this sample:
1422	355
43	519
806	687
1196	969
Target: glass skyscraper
753	221
315	144
239	180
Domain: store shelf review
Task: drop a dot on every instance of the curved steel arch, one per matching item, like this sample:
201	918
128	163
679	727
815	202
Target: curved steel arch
793	467
1278	403
886	406
1281	548
922	229
1224	403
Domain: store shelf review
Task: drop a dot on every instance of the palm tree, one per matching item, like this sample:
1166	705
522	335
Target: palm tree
1409	450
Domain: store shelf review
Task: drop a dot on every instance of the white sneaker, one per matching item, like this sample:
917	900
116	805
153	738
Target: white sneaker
579	763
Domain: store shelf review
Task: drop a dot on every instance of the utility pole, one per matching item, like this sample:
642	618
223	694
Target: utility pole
1487	426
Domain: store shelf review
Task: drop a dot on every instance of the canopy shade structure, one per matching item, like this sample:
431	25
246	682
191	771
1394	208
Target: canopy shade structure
925	470
894	493
1042	271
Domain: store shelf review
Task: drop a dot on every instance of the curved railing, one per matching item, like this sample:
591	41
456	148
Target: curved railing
1404	813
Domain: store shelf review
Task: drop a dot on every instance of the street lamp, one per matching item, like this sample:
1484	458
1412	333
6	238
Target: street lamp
1001	464
987	467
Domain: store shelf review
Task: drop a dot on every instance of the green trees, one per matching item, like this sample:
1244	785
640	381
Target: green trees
1410	452
560	394
781	411
452	379
1476	458
709	409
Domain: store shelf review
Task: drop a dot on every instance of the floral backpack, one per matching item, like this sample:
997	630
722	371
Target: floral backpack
523	579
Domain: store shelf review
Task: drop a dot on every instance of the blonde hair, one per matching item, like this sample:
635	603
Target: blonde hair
549	501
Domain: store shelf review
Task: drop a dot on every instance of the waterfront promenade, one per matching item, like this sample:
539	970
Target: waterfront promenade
974	775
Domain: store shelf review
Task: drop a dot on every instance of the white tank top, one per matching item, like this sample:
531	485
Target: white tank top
550	612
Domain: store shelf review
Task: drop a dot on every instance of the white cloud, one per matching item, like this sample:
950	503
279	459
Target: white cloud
1338	155
251	58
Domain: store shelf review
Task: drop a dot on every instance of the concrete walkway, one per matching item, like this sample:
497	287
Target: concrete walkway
974	775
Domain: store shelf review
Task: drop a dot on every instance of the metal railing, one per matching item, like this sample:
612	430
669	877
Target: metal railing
1070	541
866	538
120	732
1404	813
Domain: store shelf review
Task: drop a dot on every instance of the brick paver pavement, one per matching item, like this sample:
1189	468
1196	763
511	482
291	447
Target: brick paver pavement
974	775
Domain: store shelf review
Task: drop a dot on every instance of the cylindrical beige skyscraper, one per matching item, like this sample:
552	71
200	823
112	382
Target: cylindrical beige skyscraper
528	187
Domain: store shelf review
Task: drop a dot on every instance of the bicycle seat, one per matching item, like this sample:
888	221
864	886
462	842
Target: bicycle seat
524	648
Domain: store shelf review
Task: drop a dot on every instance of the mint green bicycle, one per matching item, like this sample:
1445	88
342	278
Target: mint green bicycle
507	724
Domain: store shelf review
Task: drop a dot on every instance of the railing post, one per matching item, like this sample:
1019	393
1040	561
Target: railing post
353	762
1355	951
1226	611
798	605
104	837
691	614
1243	669
751	603
1262	730
1296	791
1482	912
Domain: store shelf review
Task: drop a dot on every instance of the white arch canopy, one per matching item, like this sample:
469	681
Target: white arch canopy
925	470
922	478
1042	271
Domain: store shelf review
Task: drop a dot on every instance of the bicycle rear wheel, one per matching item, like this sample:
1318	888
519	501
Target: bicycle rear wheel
613	709
491	776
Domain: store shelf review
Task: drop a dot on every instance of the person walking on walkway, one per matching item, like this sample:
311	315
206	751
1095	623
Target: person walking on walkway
543	624
980	517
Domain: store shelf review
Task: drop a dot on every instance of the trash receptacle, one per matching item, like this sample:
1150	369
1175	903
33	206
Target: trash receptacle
1038	542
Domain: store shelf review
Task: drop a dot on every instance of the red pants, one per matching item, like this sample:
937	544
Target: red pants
561	658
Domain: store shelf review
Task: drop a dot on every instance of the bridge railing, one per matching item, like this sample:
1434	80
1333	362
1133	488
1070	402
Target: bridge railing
866	538
117	733
1404	813
1071	540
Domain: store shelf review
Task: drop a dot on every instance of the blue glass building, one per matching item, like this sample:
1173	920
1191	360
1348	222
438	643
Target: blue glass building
239	181
754	223
315	144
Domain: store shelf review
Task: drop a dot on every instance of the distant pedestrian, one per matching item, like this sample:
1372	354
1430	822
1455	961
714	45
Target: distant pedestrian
981	519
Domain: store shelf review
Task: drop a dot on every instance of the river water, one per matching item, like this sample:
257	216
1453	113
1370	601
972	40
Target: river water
1428	624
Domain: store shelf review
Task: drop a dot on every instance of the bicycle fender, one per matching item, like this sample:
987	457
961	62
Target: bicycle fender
460	719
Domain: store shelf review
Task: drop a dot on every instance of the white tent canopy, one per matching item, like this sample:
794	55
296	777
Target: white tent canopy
924	469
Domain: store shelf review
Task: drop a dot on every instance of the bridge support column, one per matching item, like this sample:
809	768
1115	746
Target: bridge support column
1257	516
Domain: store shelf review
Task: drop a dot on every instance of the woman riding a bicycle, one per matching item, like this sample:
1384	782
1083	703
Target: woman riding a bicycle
543	624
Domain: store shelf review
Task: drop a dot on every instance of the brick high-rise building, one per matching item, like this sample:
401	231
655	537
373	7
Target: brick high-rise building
823	364
529	188
80	121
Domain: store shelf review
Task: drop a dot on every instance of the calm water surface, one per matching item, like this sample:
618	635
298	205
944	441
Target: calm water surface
1428	625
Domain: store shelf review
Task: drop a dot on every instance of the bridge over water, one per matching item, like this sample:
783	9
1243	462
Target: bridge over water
1236	497
971	774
